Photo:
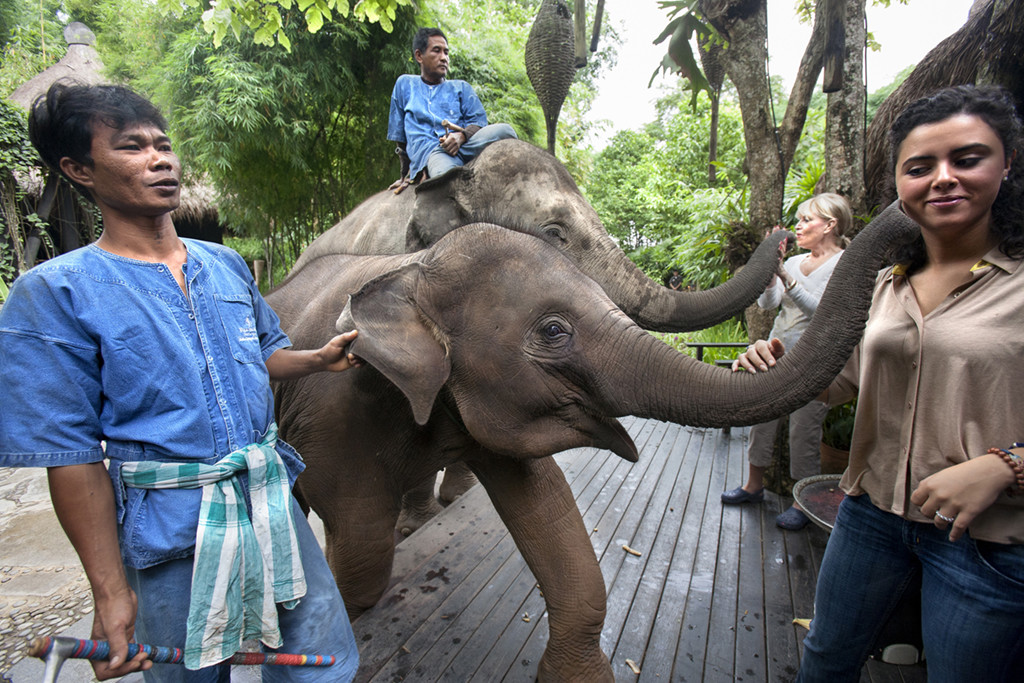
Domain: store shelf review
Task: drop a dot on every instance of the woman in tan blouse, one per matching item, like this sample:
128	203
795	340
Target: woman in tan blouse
936	481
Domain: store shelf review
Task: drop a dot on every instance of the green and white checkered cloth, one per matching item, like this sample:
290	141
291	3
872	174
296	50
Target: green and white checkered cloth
242	568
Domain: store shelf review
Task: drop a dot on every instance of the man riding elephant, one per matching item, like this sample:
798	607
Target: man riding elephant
438	123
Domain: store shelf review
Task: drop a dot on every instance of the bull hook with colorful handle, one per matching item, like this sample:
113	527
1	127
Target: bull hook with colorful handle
55	650
449	126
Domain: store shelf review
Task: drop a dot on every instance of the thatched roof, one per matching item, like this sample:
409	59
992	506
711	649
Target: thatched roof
989	48
81	64
198	204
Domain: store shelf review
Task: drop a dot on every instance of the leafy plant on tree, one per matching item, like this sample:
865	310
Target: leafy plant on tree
18	162
274	22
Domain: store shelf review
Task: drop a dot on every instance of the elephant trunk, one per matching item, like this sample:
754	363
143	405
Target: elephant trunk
663	384
654	307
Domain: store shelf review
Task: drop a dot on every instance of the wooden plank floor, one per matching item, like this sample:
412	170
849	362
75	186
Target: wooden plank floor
712	597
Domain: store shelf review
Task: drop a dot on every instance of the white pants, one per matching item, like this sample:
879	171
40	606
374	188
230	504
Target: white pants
804	440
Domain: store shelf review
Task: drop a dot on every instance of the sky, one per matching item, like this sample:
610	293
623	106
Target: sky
906	34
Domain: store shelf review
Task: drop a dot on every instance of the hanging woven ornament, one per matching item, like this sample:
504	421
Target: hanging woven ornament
550	55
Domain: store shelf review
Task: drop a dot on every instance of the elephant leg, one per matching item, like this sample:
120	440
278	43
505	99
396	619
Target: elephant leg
360	552
419	505
458	479
536	504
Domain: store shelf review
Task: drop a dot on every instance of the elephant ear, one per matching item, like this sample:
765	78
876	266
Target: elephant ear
439	208
396	338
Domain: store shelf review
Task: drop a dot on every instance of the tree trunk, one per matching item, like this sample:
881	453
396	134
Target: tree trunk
770	149
844	127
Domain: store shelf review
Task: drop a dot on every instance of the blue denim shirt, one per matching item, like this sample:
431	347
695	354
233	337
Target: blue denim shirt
97	347
417	110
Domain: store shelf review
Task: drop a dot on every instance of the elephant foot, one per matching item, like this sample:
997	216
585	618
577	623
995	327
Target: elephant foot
412	518
578	668
457	480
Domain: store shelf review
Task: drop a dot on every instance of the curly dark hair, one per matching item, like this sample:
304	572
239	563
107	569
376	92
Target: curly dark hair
994	105
61	119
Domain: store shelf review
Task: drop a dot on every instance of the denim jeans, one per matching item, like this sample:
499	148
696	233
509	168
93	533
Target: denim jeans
317	625
972	598
440	162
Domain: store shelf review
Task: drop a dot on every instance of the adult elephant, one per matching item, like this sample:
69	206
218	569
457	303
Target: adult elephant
492	349
522	187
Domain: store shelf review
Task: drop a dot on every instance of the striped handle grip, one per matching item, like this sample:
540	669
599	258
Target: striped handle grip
100	650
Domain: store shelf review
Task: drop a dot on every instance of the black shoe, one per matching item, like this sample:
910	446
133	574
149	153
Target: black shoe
741	495
792	520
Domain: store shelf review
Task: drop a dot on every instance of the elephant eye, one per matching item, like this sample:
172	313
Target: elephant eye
553	331
554	232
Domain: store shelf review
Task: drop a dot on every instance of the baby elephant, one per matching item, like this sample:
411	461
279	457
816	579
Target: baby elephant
491	348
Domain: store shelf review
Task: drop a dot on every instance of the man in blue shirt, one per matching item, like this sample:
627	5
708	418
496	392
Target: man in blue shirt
422	105
157	353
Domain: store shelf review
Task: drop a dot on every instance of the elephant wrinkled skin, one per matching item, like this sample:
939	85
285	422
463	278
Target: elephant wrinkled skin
492	349
522	187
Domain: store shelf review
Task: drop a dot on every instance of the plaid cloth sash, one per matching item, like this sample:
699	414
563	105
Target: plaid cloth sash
242	568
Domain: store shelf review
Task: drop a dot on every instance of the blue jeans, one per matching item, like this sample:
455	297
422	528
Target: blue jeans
972	598
317	625
440	162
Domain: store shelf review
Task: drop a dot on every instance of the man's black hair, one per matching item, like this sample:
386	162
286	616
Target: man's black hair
423	36
60	121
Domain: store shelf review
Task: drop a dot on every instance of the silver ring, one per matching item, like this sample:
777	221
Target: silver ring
944	518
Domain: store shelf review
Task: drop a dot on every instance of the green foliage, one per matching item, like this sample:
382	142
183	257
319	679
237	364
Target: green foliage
728	331
18	159
33	41
837	428
686	23
699	251
876	98
488	52
291	140
800	186
129	53
652	192
279	22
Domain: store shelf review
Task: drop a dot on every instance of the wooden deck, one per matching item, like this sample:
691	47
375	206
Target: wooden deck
712	597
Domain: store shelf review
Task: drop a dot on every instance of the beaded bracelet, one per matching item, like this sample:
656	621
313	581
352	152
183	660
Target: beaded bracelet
1016	464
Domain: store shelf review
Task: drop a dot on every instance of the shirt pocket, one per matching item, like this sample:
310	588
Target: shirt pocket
239	320
449	106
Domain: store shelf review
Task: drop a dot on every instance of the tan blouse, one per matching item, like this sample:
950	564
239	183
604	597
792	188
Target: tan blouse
938	390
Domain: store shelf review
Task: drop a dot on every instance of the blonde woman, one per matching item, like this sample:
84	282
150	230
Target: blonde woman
823	223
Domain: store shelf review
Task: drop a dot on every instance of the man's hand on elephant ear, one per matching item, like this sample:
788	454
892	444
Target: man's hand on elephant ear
333	353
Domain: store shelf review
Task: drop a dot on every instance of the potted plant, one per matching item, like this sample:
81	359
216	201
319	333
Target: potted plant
836	432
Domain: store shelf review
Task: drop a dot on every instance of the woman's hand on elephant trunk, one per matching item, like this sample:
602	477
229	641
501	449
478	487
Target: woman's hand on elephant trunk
760	355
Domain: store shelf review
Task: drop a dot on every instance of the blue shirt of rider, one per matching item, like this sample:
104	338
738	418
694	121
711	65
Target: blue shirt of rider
418	108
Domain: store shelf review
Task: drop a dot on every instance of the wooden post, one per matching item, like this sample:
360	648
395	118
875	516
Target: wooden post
258	266
580	33
835	44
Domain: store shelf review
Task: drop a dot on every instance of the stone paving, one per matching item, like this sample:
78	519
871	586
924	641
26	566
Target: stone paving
43	590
